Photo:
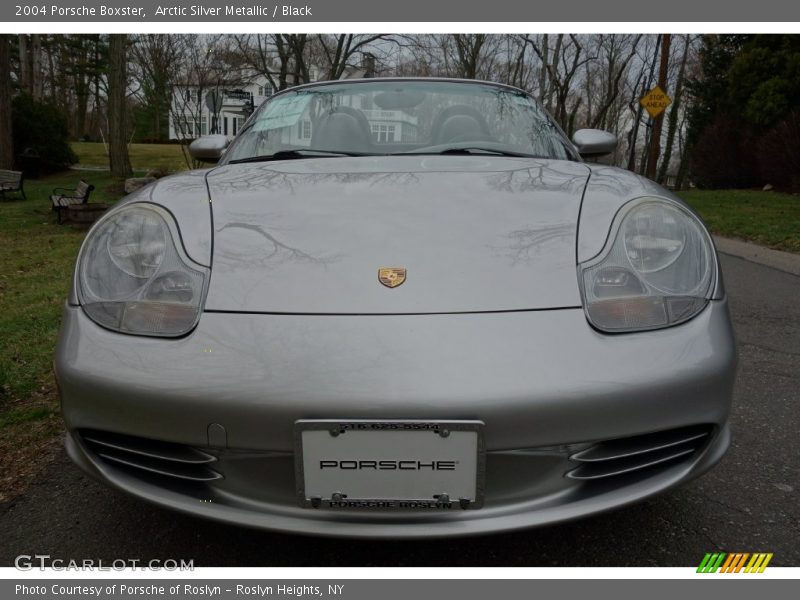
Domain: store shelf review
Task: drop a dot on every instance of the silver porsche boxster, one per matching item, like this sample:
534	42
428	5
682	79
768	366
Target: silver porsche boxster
401	308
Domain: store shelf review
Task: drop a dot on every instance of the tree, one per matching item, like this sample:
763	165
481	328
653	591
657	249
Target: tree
747	86
73	71
472	51
721	153
280	57
675	111
6	141
336	52
616	53
562	65
30	62
644	82
24	73
84	62
117	106
764	80
209	65
41	126
655	139
779	154
156	63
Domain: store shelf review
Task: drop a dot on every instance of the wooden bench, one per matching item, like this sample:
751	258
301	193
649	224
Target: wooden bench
63	198
11	181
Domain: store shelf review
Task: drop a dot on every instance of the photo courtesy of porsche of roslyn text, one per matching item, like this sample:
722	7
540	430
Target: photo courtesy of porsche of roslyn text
430	287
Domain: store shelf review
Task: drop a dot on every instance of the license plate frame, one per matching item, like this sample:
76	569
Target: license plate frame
461	435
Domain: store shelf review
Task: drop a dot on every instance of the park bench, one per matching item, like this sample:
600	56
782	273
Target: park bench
11	181
63	198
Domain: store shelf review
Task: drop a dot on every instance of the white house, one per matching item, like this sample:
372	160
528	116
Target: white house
192	114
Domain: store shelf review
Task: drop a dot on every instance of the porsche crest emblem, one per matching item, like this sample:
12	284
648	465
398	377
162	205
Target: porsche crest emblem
391	276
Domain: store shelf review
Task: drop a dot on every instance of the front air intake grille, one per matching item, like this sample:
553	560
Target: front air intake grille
626	455
151	456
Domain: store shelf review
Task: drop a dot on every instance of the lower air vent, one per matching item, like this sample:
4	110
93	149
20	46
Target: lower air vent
160	458
625	455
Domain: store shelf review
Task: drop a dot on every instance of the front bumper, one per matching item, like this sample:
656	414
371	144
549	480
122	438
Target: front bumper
544	383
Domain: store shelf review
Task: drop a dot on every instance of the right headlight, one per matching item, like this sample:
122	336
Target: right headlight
657	269
134	276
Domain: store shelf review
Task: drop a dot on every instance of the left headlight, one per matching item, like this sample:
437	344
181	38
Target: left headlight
134	277
657	269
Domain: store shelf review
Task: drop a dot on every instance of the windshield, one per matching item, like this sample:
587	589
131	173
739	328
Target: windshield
399	117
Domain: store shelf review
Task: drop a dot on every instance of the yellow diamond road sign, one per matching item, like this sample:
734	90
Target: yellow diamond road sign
655	101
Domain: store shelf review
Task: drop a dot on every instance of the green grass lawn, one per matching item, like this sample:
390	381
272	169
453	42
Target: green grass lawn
35	269
767	218
167	157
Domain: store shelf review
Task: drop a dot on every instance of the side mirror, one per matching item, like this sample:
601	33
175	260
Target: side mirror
208	148
594	142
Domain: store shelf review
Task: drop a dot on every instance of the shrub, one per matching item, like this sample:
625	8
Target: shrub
42	127
724	156
779	154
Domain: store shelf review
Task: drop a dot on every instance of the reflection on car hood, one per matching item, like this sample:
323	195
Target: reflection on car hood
474	233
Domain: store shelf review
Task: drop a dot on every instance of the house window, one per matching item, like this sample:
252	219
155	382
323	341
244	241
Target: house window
183	127
383	133
304	129
261	90
225	125
203	129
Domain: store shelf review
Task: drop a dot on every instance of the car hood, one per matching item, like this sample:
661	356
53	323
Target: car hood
474	234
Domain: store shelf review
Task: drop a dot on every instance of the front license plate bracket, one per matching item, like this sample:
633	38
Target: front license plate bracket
390	464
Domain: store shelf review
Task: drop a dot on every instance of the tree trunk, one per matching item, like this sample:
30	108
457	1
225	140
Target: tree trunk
81	88
298	46
36	67
553	71
24	65
117	106
543	72
634	135
94	125
674	113
51	67
6	142
655	136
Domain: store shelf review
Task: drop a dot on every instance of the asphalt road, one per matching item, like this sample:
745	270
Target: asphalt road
750	502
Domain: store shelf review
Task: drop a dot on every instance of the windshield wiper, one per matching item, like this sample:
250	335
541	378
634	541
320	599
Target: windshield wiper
476	150
297	153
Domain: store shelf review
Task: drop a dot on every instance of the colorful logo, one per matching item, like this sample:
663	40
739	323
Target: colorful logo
735	562
391	276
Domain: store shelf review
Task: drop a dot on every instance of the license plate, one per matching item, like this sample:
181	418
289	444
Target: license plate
406	465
